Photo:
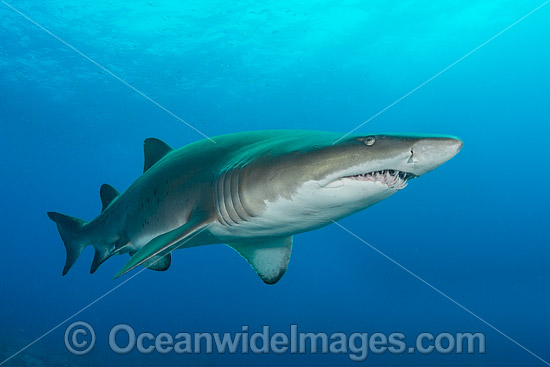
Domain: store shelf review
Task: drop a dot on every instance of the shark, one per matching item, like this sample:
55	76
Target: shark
252	191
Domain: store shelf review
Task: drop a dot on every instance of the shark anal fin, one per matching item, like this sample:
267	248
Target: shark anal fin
107	193
268	257
164	244
104	252
100	256
155	150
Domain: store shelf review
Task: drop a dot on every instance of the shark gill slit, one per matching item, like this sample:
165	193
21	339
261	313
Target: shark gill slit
249	212
235	198
218	188
228	202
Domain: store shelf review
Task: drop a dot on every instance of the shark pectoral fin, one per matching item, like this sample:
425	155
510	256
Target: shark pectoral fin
159	263
268	257
163	245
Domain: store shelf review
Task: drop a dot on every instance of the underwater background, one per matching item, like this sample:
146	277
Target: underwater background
475	228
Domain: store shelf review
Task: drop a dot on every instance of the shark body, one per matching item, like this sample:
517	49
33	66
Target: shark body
252	191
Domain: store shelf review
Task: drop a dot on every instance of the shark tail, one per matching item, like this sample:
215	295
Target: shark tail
72	233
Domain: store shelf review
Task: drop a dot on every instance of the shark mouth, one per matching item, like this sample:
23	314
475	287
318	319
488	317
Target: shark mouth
392	178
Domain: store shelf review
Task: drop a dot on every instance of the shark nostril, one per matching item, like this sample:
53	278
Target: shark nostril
411	157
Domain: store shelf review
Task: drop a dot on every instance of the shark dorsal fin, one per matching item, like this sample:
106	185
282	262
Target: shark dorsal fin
107	193
155	150
268	257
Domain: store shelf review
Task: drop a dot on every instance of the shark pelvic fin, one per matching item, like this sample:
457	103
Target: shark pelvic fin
155	150
162	245
268	257
159	263
108	194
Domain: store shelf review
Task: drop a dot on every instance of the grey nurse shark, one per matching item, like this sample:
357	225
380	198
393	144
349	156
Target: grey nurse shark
252	191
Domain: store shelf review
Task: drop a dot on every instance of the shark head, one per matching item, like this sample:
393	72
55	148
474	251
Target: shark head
389	160
367	169
310	180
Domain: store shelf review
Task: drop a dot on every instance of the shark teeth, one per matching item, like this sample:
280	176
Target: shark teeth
392	178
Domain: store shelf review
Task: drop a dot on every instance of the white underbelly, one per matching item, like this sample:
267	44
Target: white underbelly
309	208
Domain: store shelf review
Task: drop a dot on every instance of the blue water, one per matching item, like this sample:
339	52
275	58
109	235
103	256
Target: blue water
475	228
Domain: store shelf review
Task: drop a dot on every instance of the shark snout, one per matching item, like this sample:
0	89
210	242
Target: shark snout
429	153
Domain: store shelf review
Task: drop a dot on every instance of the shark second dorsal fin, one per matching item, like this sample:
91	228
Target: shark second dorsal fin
107	193
155	150
268	257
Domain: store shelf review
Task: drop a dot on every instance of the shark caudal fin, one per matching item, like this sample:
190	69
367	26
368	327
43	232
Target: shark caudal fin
71	231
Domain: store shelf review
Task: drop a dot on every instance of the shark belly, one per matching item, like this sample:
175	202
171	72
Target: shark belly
307	209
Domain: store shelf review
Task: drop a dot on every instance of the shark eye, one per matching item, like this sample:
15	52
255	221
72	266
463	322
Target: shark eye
369	140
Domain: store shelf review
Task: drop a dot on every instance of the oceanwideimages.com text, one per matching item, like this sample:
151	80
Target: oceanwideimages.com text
80	339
